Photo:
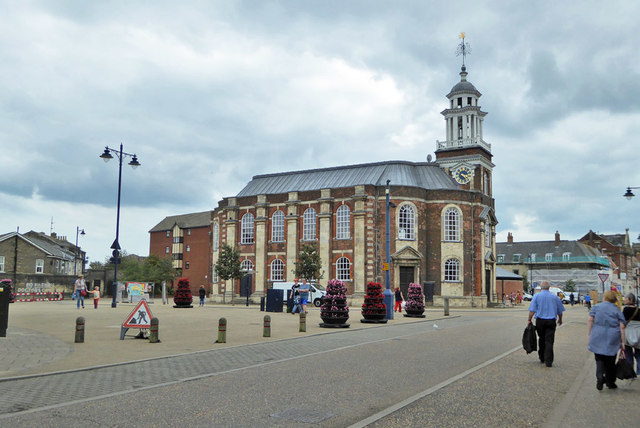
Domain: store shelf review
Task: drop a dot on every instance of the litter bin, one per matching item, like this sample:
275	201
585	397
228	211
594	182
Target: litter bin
6	295
274	300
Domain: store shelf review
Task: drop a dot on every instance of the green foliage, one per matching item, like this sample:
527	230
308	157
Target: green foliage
525	284
146	269
96	265
570	285
228	264
309	263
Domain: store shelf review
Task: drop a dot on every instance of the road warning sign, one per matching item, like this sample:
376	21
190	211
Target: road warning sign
140	317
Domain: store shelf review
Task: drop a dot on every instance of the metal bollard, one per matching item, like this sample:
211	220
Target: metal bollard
303	322
153	331
266	330
222	331
446	306
80	330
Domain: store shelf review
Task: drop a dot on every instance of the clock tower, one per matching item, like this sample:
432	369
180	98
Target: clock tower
464	154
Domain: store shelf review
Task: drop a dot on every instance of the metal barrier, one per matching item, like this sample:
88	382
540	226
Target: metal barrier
38	296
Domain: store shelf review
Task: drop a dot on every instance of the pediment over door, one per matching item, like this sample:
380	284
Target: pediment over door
489	257
407	256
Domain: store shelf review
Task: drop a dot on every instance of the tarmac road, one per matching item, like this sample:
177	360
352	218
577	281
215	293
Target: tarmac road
470	370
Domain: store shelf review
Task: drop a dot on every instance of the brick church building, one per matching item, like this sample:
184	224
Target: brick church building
442	219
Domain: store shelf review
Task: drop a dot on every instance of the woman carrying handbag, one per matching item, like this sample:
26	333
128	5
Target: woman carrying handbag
632	330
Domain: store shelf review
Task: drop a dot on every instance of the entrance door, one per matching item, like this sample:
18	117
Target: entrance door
406	277
246	285
487	284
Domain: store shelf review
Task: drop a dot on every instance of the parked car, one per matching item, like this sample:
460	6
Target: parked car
527	297
316	291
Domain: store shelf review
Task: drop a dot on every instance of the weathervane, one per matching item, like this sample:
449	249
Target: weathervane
463	48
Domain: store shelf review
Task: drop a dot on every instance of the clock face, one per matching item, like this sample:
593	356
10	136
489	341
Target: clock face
462	175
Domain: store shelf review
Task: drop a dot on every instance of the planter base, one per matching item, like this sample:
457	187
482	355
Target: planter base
414	316
183	306
366	321
325	325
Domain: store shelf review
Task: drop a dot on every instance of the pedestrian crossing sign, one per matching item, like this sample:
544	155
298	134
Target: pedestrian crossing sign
140	317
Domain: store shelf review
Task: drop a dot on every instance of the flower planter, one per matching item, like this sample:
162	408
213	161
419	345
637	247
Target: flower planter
334	310
414	313
341	320
374	310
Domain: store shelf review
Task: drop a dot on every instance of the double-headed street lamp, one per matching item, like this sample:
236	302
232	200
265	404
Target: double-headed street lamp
75	260
106	156
629	195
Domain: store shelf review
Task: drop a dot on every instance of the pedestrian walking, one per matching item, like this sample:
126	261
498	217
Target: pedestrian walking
399	298
80	290
572	299
606	337
587	301
96	296
631	314
304	294
546	307
202	293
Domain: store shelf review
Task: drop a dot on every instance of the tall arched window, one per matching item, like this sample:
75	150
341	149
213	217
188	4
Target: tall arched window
277	226
216	236
406	222
277	270
309	225
452	224
246	265
343	269
452	270
246	228
486	183
343	222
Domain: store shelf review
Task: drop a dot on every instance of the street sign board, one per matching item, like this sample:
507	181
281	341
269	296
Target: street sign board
140	317
603	277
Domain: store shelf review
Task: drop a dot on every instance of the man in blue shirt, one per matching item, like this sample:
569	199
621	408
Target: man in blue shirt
546	307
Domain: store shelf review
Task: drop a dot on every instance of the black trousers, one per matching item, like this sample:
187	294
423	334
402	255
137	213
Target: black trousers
546	330
606	368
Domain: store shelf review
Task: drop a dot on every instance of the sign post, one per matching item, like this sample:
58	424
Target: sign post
140	318
603	277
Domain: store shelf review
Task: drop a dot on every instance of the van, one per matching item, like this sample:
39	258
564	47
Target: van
316	291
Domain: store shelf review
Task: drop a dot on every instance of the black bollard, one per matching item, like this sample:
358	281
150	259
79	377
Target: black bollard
80	330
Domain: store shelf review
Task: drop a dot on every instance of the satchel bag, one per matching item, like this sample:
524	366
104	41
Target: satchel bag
83	293
632	332
624	370
529	339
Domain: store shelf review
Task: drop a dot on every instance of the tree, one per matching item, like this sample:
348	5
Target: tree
145	269
228	264
570	285
309	263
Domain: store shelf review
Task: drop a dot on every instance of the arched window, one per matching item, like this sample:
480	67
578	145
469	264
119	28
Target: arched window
343	269
246	228
406	222
277	226
486	183
452	270
246	265
452	224
277	270
343	222
309	225
216	234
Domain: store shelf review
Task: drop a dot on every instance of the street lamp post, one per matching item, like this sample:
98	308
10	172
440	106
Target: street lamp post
388	295
106	156
75	260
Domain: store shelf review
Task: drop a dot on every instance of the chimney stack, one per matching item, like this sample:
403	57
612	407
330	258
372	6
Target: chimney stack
557	238
509	238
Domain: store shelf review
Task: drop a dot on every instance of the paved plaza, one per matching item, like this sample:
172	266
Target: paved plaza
43	370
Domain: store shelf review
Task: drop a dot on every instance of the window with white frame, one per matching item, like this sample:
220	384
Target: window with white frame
516	258
500	258
216	234
215	275
188	248
548	257
343	269
452	224
343	222
309	225
1	263
189	232
277	226
168	233
246	265
39	266
246	227
186	265
566	257
533	257
452	270
277	270
487	236
406	222
166	250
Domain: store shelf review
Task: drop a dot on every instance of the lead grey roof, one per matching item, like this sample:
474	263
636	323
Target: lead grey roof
50	248
184	221
401	173
505	274
540	248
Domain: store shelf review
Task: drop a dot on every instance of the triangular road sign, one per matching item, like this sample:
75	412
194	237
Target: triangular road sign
140	317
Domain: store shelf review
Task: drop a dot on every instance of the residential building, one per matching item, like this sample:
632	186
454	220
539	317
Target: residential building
556	261
186	239
442	219
39	262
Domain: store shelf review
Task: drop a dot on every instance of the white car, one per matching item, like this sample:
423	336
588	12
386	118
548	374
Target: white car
316	292
527	296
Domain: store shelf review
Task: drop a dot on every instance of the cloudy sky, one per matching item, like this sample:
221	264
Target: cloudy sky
209	93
